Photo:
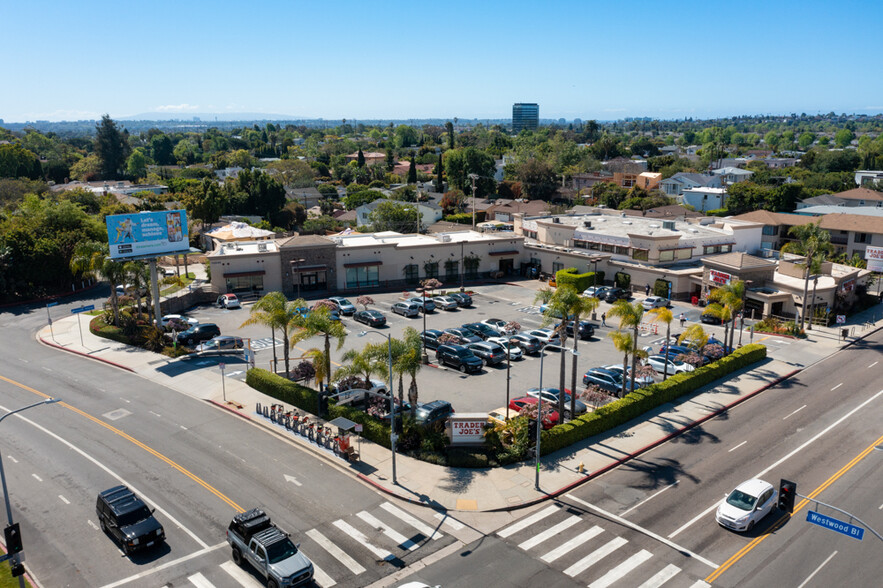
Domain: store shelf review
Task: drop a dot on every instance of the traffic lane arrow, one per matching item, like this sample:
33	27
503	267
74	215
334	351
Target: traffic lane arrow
292	479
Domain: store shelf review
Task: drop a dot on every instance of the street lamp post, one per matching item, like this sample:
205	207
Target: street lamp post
21	581
392	403
540	404
297	263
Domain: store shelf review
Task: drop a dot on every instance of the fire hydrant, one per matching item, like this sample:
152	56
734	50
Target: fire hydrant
581	467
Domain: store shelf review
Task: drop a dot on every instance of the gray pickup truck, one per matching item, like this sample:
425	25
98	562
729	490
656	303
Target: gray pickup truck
254	538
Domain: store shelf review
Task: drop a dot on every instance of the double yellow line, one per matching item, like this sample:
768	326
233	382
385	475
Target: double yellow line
136	442
757	540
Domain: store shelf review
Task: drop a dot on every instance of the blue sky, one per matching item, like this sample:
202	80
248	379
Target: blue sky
356	60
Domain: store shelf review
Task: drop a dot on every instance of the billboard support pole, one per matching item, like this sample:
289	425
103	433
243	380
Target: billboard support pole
154	286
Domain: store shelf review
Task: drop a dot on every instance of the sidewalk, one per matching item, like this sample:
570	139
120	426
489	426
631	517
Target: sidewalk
441	487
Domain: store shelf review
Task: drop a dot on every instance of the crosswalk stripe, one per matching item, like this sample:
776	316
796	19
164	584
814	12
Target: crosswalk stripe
661	577
400	539
240	575
621	570
451	522
335	551
199	581
422	527
360	538
528	521
321	578
595	556
572	544
550	532
700	584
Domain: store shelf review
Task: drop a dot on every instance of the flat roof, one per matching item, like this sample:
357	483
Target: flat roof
245	248
415	239
623	226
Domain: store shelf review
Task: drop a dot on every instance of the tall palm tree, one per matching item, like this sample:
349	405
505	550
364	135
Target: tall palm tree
410	362
139	275
580	307
558	302
317	356
623	343
273	310
630	316
319	322
813	243
363	363
695	335
664	315
729	299
91	257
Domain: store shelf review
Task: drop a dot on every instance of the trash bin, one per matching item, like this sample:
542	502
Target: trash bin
844	333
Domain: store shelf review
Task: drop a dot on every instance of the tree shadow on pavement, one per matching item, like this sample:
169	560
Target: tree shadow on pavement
658	473
459	480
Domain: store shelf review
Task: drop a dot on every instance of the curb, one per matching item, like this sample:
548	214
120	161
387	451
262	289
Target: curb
80	353
647	447
862	338
386	490
229	409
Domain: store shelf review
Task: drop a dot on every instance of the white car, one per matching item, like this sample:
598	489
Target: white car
657	362
184	320
498	325
596	292
445	302
652	302
344	306
512	349
546	336
228	301
745	506
639	380
407	308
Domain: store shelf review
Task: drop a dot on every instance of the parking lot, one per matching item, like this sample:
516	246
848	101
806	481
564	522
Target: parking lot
478	392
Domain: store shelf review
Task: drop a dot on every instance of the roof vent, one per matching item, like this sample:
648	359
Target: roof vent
262	247
670	225
654	226
555	219
626	222
587	225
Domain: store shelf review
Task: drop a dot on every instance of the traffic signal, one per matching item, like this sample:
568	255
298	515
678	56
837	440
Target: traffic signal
13	539
787	494
323	405
17	570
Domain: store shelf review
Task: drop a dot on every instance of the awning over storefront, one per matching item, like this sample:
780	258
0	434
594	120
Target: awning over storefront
308	268
244	274
498	253
363	264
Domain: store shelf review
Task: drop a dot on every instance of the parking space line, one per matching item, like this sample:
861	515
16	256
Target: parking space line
795	412
739	445
873	364
837	386
63	499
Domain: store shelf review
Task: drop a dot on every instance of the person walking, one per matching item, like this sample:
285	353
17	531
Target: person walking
603	319
683	320
647	290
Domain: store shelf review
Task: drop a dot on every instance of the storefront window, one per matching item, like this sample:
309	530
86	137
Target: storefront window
431	269
452	270
357	277
243	283
668	255
640	254
411	273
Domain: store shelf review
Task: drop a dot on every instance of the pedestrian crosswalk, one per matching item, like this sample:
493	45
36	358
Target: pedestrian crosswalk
599	556
264	343
351	551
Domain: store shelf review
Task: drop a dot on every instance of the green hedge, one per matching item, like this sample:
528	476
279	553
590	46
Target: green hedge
579	281
641	401
622	280
465	218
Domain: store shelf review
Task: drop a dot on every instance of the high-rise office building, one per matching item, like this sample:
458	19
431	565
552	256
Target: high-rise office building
525	116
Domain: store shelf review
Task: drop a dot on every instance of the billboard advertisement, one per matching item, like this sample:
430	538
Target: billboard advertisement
874	257
146	234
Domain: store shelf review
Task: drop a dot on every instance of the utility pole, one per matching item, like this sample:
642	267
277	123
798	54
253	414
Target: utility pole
473	177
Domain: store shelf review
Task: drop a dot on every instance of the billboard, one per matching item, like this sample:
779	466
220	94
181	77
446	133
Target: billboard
874	257
147	234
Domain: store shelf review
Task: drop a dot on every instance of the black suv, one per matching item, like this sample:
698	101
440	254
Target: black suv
459	357
198	334
489	353
586	329
480	329
430	338
128	520
615	294
430	413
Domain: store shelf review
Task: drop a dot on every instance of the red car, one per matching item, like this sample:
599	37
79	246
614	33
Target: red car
549	421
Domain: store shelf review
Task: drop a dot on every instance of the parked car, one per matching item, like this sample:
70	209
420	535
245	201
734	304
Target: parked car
489	353
407	308
746	505
709	319
586	329
167	272
344	306
498	325
430	338
357	390
605	379
172	320
598	292
332	314
545	336
499	416
126	518
198	334
463	299
528	343
652	302
549	311
639	380
425	304
445	303
464	336
435	411
549	421
373	318
657	362
228	301
222	343
614	294
480	329
675	350
459	357
552	395
512	349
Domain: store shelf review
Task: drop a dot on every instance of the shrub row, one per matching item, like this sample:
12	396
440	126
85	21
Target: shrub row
579	281
465	218
641	401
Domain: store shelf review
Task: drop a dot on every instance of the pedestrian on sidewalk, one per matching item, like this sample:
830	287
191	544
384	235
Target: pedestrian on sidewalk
683	320
647	290
603	319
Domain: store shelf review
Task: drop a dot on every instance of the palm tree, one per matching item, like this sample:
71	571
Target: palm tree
579	307
729	299
695	335
362	363
558	302
91	257
409	361
623	343
274	311
630	316
813	243
317	356
318	322
139	275
666	316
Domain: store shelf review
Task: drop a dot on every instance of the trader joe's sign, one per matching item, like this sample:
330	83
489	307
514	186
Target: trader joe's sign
466	428
719	277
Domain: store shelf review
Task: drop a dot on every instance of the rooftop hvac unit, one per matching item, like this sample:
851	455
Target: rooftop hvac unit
670	225
446	238
555	219
262	247
587	225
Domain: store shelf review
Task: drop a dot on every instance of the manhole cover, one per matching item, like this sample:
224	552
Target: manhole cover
116	414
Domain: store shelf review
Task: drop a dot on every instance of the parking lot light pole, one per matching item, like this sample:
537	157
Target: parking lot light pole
21	580
540	403
392	402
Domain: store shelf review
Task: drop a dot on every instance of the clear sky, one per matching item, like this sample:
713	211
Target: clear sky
63	60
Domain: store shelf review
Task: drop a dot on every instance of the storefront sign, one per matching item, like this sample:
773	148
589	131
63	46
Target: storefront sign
147	233
467	428
874	257
848	285
719	277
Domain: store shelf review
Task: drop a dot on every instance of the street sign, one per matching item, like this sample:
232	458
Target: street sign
358	427
51	304
841	319
222	365
835	525
82	309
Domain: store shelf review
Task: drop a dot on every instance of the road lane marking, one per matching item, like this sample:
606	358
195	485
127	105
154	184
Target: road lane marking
795	412
155	414
292	479
805	582
339	554
873	364
166	565
621	570
781	521
376	523
595	556
837	386
421	527
200	581
572	544
737	446
321	578
239	575
661	577
642	530
12	458
549	533
63	499
36	477
813	439
363	540
449	521
93	525
528	521
652	496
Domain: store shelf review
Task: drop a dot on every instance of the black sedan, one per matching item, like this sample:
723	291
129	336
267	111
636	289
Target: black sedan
615	294
480	329
586	329
710	319
373	318
463	299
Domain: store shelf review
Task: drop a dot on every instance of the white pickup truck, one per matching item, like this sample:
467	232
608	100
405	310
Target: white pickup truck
254	538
